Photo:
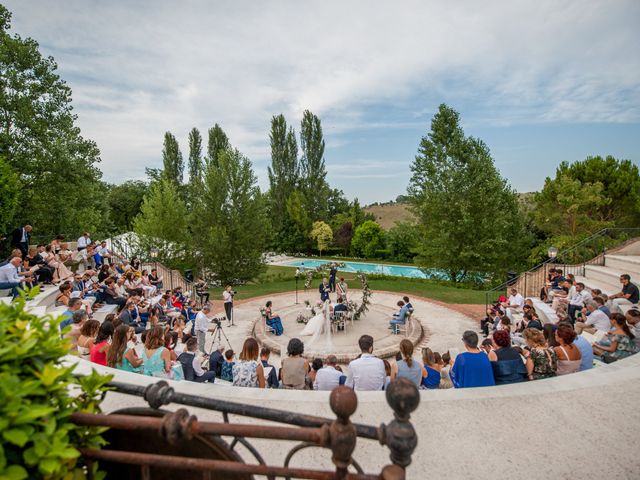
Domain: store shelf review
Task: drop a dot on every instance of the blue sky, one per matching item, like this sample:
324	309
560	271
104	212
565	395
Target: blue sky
539	81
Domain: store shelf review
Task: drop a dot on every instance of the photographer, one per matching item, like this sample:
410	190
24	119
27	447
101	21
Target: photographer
227	296
203	326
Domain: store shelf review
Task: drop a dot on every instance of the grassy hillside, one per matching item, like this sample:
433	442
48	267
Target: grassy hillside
387	214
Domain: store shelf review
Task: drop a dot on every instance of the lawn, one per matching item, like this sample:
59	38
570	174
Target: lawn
279	279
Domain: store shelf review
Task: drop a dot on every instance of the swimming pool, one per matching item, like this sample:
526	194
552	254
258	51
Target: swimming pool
374	268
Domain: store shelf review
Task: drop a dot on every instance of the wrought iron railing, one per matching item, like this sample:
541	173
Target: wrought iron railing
573	260
156	444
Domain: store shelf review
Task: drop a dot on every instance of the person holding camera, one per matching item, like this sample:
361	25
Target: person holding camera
227	296
202	327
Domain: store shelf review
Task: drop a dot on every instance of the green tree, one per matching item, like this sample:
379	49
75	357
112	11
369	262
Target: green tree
368	239
467	214
620	182
300	220
162	223
172	160
217	143
314	183
321	233
342	237
195	156
229	222
337	203
124	202
402	242
568	207
60	188
9	194
284	172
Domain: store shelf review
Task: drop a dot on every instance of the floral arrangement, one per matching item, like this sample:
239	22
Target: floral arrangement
302	318
359	310
310	272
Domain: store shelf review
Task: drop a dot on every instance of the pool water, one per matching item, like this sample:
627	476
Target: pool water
374	268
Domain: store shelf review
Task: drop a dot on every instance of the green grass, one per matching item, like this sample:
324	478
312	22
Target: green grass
279	279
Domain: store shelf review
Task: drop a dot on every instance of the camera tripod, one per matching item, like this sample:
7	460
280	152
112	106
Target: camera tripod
218	333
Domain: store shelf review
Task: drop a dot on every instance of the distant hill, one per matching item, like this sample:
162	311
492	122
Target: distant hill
388	214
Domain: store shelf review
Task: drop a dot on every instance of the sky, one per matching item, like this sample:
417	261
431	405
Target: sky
540	81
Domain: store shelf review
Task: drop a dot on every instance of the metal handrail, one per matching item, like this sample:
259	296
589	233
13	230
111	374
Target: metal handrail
591	239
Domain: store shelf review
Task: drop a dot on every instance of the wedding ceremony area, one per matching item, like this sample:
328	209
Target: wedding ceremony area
345	249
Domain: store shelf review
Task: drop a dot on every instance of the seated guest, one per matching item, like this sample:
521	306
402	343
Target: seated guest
98	352
87	337
170	343
77	321
629	295
561	299
316	365
44	273
542	362
577	300
272	376
155	280
9	278
248	371
340	306
514	303
618	343
126	316
216	360
472	368
366	372
120	355
294	367
399	318
73	306
272	319
569	356
63	297
596	319
148	289
155	356
432	369
489	322
328	377
104	273
633	320
191	366
507	363
227	366
110	296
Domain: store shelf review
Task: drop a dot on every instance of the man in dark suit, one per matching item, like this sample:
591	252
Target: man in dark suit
20	239
127	318
324	290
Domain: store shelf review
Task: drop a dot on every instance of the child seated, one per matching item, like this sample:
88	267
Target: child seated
227	366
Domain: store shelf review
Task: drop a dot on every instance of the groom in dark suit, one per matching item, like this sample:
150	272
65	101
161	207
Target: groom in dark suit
20	239
324	290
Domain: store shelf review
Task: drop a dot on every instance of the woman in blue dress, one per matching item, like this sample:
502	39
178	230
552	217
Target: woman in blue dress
156	358
472	368
432	367
272	320
119	355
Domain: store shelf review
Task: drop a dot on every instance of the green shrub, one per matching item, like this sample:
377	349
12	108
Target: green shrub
37	396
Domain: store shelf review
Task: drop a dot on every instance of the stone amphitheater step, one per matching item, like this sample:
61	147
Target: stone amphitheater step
629	264
544	310
590	283
608	275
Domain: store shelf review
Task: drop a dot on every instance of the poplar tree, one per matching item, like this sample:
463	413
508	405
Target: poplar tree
217	143
173	164
467	214
195	156
314	183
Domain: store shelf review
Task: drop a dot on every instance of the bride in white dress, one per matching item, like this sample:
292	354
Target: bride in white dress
318	326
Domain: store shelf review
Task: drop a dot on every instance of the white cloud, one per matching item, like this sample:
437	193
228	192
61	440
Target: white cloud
138	69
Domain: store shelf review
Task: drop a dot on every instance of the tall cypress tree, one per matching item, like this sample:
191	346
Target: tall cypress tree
284	172
314	183
195	155
218	142
467	214
172	159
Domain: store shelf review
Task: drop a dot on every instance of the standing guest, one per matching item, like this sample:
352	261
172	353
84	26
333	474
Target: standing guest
596	319
9	278
87	337
328	378
542	362
342	288
272	376
294	367
272	319
202	326
472	368
216	360
227	366
120	355
248	371
333	271
407	367
432	368
618	343
507	363
193	371
227	297
98	352
569	356
84	241
156	358
628	296
366	372
324	290
20	238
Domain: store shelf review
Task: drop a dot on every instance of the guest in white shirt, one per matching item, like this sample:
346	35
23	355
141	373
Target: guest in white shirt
577	301
202	326
633	319
328	377
9	278
514	303
366	372
189	358
84	241
597	320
